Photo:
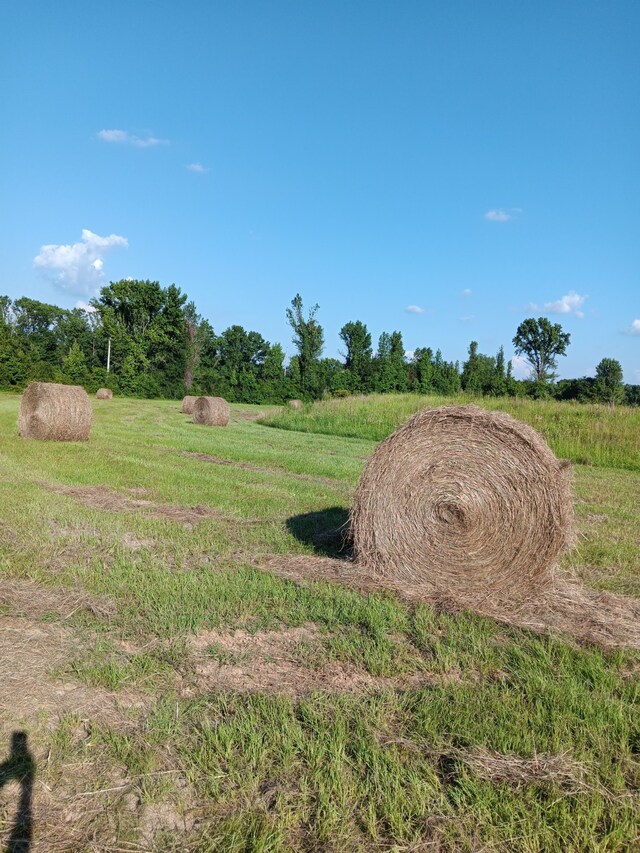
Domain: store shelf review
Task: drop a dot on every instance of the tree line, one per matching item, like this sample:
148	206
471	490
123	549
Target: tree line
158	345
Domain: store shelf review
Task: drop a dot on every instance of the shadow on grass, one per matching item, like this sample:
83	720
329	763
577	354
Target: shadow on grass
326	530
21	767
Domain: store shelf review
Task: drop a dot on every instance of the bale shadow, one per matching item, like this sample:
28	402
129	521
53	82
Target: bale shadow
326	530
21	767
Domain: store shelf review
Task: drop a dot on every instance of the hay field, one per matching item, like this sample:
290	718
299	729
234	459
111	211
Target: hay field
177	695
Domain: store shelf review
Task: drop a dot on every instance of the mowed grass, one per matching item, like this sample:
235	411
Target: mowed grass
471	736
585	434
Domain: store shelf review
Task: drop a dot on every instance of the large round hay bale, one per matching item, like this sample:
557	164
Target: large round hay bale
53	412
211	411
187	404
295	404
104	394
469	503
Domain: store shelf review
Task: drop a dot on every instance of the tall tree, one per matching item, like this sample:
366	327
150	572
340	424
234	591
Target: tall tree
309	339
608	387
358	357
541	342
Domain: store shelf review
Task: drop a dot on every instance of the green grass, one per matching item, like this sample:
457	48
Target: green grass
393	768
585	434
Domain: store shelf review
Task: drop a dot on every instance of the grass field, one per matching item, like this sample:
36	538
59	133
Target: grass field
177	697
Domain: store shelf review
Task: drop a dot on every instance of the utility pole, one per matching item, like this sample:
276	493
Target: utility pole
108	355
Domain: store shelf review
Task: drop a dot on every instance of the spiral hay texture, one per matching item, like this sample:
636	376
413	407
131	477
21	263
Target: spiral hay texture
104	394
187	405
465	502
52	412
211	411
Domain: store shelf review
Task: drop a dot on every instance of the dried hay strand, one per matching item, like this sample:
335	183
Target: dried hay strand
465	502
104	394
295	404
187	404
211	411
52	412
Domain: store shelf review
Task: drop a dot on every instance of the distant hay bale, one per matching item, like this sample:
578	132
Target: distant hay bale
104	394
187	405
211	411
52	412
465	502
295	404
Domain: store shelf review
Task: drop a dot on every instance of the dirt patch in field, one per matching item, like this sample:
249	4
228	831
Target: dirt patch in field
273	662
105	499
566	607
27	600
216	460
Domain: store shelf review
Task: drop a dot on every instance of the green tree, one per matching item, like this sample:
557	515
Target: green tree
608	386
541	342
74	366
309	339
358	357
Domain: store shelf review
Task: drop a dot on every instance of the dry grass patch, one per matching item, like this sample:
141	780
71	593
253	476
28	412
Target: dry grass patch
277	662
108	500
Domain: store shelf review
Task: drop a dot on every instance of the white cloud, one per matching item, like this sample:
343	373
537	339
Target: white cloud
467	318
414	309
408	354
497	216
197	167
521	368
467	291
78	268
84	306
570	304
635	327
123	137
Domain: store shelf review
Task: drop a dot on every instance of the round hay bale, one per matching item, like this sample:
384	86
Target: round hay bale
295	404
470	503
211	411
187	404
104	394
52	412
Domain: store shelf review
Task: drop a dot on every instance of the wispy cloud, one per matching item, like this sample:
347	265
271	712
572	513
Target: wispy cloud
570	304
197	167
78	268
497	216
467	318
123	137
467	291
414	309
635	327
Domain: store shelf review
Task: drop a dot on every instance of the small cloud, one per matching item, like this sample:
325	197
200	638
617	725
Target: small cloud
521	368
467	318
467	291
635	327
497	216
408	354
570	304
84	306
123	137
196	167
414	309
78	268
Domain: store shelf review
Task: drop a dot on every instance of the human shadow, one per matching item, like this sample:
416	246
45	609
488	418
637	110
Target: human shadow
21	767
326	530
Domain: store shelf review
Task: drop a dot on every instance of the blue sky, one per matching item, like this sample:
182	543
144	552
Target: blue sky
441	168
